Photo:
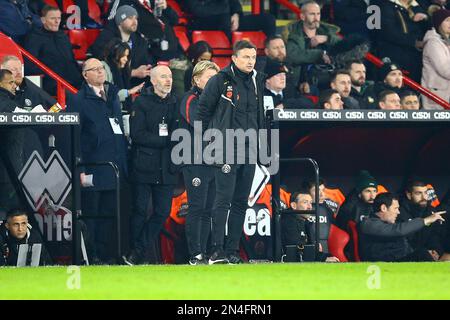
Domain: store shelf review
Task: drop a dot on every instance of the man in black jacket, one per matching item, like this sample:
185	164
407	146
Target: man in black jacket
7	91
28	95
383	239
359	202
52	46
101	140
415	204
275	95
299	229
232	99
153	118
157	30
124	28
14	231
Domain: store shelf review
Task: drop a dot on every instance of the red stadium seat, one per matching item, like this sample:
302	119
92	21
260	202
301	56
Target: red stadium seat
216	39
337	240
256	37
183	16
93	8
314	99
9	48
222	62
355	239
82	40
180	32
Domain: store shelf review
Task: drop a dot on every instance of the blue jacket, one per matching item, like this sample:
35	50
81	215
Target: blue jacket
16	19
98	143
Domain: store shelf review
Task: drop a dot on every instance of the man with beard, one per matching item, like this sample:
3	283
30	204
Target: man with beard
359	202
275	50
309	39
124	27
357	71
416	204
383	238
341	82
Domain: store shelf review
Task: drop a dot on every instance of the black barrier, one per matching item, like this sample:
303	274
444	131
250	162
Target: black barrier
42	161
277	212
307	119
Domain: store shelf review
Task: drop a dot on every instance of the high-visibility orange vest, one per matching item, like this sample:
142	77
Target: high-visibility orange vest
266	198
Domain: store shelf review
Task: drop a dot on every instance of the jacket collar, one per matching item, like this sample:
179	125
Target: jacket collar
5	93
150	92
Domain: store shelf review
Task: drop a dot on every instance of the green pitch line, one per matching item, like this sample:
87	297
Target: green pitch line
260	281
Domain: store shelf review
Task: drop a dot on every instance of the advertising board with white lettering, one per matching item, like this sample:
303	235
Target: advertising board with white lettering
361	115
39	118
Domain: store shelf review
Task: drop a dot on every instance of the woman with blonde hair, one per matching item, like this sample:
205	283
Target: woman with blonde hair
198	177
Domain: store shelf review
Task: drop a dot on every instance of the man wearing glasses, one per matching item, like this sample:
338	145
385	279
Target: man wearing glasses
102	140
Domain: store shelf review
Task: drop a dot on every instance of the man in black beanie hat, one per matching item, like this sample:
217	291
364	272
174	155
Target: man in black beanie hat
274	94
391	78
359	202
124	27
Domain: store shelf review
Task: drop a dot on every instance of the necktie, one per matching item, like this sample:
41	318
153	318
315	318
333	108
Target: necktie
103	95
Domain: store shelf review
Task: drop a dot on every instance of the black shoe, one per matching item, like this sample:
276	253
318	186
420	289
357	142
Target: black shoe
234	259
197	260
133	258
218	257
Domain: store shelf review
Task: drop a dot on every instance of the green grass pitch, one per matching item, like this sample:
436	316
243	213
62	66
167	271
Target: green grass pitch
249	281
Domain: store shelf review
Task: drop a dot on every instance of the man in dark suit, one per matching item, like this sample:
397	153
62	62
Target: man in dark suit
102	139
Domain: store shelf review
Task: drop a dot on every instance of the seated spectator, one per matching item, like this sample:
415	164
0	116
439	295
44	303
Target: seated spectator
27	93
357	71
296	229
16	19
359	203
382	238
124	28
16	230
156	25
389	100
274	96
392	80
403	25
416	204
330	99
309	39
52	46
409	101
118	72
275	49
7	91
227	16
341	82
199	51
351	16
436	59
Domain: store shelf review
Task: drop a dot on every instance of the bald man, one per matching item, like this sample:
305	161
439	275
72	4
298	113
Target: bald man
152	121
102	140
